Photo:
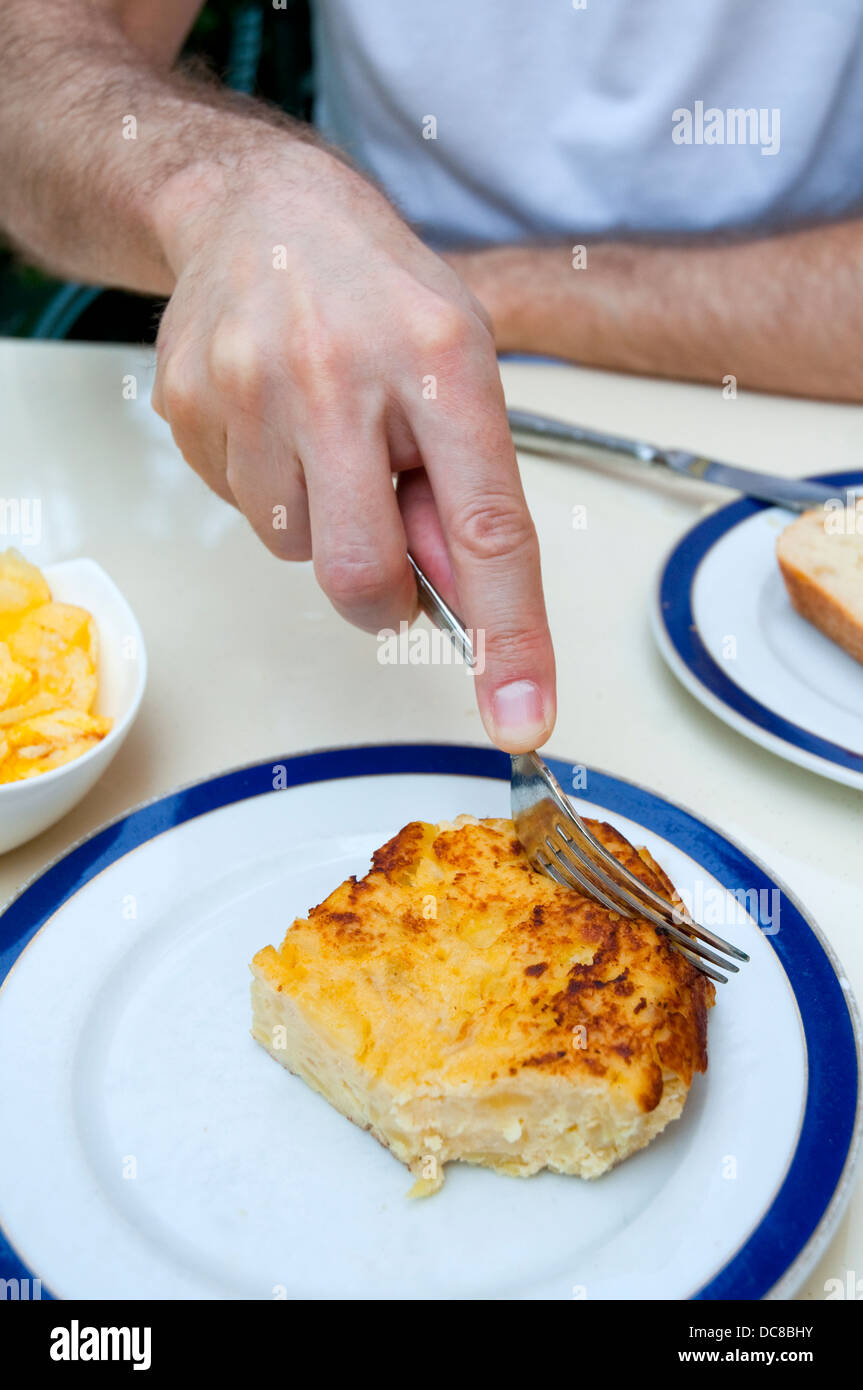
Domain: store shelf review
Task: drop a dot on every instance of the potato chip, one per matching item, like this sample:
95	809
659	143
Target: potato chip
39	704
34	647
15	679
70	680
48	675
66	619
56	727
58	756
22	587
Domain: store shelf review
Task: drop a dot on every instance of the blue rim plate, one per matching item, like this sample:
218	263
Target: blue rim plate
795	1230
684	650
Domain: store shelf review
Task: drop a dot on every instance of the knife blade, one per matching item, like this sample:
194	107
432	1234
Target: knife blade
540	433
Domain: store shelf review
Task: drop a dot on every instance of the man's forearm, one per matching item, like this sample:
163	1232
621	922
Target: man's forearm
779	314
94	135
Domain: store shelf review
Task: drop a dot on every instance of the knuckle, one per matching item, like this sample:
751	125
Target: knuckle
515	649
481	313
239	364
355	580
494	528
178	396
443	330
235	477
319	364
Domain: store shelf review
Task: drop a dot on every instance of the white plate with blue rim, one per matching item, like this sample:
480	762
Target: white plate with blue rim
725	625
151	1149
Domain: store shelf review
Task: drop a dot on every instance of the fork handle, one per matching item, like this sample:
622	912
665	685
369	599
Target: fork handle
440	612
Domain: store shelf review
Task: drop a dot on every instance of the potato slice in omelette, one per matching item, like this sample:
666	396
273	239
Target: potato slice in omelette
460	1005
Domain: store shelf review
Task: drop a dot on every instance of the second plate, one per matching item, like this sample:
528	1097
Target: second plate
725	625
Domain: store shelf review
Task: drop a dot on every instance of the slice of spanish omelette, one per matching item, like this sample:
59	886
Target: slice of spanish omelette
461	1005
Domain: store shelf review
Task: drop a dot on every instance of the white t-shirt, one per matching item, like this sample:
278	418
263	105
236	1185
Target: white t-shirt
506	120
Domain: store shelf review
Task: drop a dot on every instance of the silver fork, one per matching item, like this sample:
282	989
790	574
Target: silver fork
557	841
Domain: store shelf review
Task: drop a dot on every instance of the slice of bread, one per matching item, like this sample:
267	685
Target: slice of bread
821	559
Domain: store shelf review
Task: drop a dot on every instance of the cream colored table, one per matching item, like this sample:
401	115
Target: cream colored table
247	659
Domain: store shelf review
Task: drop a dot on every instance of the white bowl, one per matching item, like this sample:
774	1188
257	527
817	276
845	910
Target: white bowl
28	807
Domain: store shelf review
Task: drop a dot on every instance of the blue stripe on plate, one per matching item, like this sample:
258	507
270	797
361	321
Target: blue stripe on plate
828	1125
675	592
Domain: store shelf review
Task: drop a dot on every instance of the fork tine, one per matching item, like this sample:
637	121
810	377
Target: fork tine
646	903
568	877
692	943
546	868
601	863
581	881
695	951
633	888
705	969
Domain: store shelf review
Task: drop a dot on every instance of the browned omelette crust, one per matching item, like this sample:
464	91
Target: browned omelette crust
454	962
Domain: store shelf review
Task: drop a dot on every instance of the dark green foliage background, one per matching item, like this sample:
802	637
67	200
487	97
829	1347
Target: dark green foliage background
250	46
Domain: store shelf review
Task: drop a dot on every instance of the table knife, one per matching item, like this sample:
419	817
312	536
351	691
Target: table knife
541	434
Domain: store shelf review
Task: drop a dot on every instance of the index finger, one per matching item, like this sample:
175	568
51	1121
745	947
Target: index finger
463	436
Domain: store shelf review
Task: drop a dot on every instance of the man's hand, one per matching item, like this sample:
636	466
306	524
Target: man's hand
312	347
